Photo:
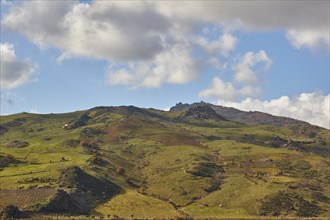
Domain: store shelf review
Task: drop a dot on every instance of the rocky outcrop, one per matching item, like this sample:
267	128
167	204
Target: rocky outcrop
62	202
3	129
81	121
79	192
12	212
203	112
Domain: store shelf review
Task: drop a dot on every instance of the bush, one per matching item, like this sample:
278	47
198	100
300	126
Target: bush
70	142
18	144
120	170
302	165
280	203
97	160
308	209
90	133
288	203
284	165
6	160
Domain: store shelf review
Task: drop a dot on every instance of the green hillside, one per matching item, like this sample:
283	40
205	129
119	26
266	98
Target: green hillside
128	162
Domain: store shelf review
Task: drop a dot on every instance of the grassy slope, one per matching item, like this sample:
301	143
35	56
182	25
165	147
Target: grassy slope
159	156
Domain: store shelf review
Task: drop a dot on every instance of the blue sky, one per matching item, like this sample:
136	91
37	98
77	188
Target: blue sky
266	56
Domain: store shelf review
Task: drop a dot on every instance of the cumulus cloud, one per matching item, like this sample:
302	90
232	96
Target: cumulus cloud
223	44
308	38
97	30
244	79
14	72
243	69
142	37
227	91
173	65
311	107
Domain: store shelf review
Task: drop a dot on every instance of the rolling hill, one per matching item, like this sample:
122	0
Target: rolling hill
194	161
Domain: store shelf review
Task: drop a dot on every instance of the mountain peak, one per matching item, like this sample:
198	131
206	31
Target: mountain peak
203	112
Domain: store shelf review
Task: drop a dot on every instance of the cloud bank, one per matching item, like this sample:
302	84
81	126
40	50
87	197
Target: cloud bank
98	30
311	107
14	72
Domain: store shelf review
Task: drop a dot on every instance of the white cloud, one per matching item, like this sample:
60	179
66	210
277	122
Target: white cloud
97	30
14	72
223	44
258	15
144	35
243	69
174	65
227	91
308	38
243	75
311	107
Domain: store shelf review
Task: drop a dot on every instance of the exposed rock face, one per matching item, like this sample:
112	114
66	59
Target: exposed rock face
80	192
203	112
61	202
16	122
278	142
74	177
3	129
81	121
12	212
181	107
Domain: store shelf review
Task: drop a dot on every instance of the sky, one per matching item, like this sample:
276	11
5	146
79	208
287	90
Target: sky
269	56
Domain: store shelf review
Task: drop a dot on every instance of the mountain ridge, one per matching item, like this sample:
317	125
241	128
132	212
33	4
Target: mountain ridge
245	117
227	113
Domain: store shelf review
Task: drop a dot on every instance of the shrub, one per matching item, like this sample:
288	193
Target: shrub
284	165
302	165
18	144
288	203
6	160
97	160
308	209
70	142
277	204
120	170
90	132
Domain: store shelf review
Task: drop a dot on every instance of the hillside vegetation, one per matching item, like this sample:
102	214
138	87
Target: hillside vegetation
193	161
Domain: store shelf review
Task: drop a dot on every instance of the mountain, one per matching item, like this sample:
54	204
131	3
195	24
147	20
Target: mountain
194	161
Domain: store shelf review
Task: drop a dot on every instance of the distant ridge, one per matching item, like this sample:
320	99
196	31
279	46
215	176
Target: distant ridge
249	118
